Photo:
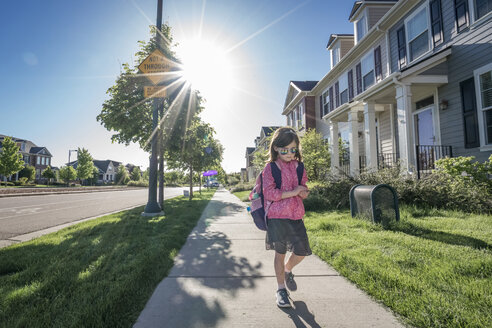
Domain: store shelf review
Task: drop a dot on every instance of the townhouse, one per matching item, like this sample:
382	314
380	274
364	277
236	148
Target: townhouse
39	157
261	144
411	85
107	169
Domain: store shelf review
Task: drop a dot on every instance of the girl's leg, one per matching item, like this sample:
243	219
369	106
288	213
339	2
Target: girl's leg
279	269
292	262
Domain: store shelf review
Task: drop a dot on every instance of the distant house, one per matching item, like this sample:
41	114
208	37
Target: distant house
299	107
107	169
39	157
261	143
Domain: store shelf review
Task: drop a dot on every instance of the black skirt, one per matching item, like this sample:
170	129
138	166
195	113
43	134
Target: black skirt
287	235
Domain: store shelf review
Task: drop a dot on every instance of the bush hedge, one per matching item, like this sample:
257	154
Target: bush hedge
437	190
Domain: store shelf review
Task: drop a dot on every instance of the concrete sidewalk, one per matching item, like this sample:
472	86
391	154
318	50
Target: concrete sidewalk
224	277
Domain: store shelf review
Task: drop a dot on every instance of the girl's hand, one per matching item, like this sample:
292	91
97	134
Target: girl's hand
304	194
300	189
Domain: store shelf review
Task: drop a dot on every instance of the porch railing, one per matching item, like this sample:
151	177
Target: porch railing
385	160
345	164
428	155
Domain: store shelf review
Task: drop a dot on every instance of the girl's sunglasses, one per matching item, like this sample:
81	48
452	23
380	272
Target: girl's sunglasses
285	151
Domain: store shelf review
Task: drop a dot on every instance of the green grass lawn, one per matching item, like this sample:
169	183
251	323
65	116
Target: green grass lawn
99	273
433	268
243	195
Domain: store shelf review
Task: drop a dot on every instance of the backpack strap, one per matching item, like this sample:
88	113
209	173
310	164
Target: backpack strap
300	172
277	174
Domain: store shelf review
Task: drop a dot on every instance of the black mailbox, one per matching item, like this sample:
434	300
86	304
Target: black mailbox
378	203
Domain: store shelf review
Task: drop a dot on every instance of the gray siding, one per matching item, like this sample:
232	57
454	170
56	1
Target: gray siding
345	46
470	51
384	126
375	14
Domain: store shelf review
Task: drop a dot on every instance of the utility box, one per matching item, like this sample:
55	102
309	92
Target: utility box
378	203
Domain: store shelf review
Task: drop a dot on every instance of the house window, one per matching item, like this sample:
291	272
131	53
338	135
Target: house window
483	81
301	115
418	34
326	103
461	14
482	8
367	67
343	85
38	160
48	161
335	55
378	66
361	28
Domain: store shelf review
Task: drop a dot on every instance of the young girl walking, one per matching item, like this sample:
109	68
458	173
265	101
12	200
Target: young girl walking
286	231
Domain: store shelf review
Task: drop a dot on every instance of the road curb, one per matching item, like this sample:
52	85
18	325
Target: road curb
63	192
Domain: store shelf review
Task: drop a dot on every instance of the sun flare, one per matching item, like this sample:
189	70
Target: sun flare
207	68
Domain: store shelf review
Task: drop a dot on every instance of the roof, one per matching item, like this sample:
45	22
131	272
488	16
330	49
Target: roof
249	150
333	37
357	5
268	130
101	165
304	85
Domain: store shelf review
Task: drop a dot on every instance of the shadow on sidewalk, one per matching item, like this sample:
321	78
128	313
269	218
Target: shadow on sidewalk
298	311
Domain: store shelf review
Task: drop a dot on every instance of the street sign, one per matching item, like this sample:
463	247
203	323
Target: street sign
155	92
155	64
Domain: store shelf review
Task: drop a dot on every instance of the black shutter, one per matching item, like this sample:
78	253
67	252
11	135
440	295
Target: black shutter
378	66
337	94
321	107
350	78
402	47
358	77
332	103
469	105
461	12
436	21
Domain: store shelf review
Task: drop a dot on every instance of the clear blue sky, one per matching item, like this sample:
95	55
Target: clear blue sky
58	58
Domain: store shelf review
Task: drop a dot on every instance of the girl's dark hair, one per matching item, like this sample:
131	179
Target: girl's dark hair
282	138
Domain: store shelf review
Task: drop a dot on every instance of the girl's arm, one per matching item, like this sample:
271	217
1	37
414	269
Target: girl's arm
271	193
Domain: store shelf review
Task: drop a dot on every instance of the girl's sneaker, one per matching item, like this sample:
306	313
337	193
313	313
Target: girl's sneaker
290	282
283	298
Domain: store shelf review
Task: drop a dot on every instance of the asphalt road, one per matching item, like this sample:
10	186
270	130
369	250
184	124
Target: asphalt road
26	214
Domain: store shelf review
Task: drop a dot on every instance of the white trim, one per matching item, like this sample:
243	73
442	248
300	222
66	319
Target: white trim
478	96
471	14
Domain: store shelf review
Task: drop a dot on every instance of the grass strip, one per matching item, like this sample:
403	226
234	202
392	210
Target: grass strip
98	273
434	268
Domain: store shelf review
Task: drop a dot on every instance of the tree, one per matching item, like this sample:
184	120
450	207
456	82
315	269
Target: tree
145	175
315	155
67	174
48	174
28	172
136	174
10	158
95	176
85	164
121	176
198	152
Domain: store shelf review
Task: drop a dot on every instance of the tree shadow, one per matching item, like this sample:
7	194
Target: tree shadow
300	311
440	236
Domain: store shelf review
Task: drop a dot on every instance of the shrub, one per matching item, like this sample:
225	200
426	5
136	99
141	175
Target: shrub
139	183
242	186
437	190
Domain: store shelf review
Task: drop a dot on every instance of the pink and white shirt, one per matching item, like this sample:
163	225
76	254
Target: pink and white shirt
288	208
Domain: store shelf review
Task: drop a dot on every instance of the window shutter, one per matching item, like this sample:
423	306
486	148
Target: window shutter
402	47
321	107
350	78
469	106
337	94
436	21
358	77
332	103
378	67
461	14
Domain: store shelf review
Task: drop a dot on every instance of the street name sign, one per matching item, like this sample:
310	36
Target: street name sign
155	92
154	64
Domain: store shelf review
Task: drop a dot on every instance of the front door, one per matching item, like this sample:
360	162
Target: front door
424	139
424	128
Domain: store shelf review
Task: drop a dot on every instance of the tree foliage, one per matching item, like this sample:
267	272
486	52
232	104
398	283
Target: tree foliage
121	176
136	174
67	174
28	172
315	155
48	174
85	164
10	158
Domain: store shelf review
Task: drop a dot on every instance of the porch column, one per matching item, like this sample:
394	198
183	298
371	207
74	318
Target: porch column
370	136
335	163
354	142
405	126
